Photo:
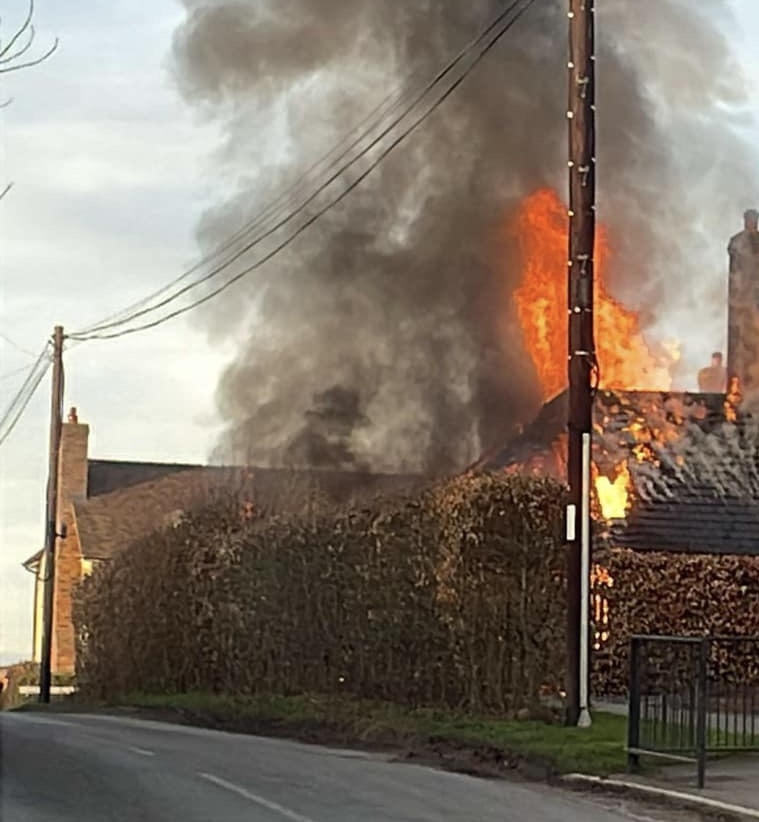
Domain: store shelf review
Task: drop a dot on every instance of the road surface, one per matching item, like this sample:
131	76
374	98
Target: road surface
87	768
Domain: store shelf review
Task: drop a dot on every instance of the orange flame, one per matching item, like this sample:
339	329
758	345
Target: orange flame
600	578
733	399
625	358
613	495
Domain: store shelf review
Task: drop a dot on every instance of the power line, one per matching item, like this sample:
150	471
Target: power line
293	213
276	207
303	205
23	397
10	374
29	379
24	405
15	345
524	6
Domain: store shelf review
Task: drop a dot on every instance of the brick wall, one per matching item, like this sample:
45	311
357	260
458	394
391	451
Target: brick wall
743	316
72	484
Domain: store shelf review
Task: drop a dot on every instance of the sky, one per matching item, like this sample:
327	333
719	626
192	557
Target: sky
111	172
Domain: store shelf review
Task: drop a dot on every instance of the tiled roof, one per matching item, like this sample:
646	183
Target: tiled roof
535	449
105	476
711	526
694	473
111	521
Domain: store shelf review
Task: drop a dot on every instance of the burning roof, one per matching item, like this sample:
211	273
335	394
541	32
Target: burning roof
672	471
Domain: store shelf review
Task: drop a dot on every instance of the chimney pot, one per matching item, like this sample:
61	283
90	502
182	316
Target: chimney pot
73	416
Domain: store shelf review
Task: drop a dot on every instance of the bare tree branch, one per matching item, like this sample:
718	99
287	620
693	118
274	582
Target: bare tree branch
29	41
31	63
19	33
9	53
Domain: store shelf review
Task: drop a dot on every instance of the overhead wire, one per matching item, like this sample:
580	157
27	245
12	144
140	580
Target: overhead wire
23	397
14	344
20	402
280	224
14	422
429	85
274	208
221	267
520	7
14	373
43	355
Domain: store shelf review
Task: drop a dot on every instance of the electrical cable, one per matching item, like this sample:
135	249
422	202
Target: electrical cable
24	396
10	374
428	87
281	223
24	385
82	336
276	207
15	345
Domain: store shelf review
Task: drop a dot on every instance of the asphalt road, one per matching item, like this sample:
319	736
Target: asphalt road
78	768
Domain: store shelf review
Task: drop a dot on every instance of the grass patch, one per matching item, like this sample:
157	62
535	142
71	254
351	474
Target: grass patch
58	704
598	750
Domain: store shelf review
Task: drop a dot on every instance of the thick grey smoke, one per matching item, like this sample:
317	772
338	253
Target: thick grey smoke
385	335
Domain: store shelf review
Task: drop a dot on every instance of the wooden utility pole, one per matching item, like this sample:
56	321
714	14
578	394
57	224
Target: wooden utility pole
581	352
51	516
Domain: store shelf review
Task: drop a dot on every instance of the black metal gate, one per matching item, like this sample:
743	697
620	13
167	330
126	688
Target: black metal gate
692	697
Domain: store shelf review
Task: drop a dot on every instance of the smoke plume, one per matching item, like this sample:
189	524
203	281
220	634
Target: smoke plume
384	336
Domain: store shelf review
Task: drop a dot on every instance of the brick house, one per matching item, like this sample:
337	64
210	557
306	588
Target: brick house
105	505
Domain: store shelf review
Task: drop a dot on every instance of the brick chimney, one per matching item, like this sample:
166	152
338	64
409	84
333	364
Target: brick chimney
743	309
72	485
72	466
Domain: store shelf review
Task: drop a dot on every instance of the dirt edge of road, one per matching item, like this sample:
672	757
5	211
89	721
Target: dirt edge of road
461	756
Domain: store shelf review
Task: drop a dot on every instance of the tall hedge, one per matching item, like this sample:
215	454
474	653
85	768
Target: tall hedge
453	598
677	594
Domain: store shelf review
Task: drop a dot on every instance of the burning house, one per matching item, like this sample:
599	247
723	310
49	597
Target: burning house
673	471
408	298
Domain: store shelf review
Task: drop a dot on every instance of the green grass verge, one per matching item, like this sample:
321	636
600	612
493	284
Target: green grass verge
597	750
